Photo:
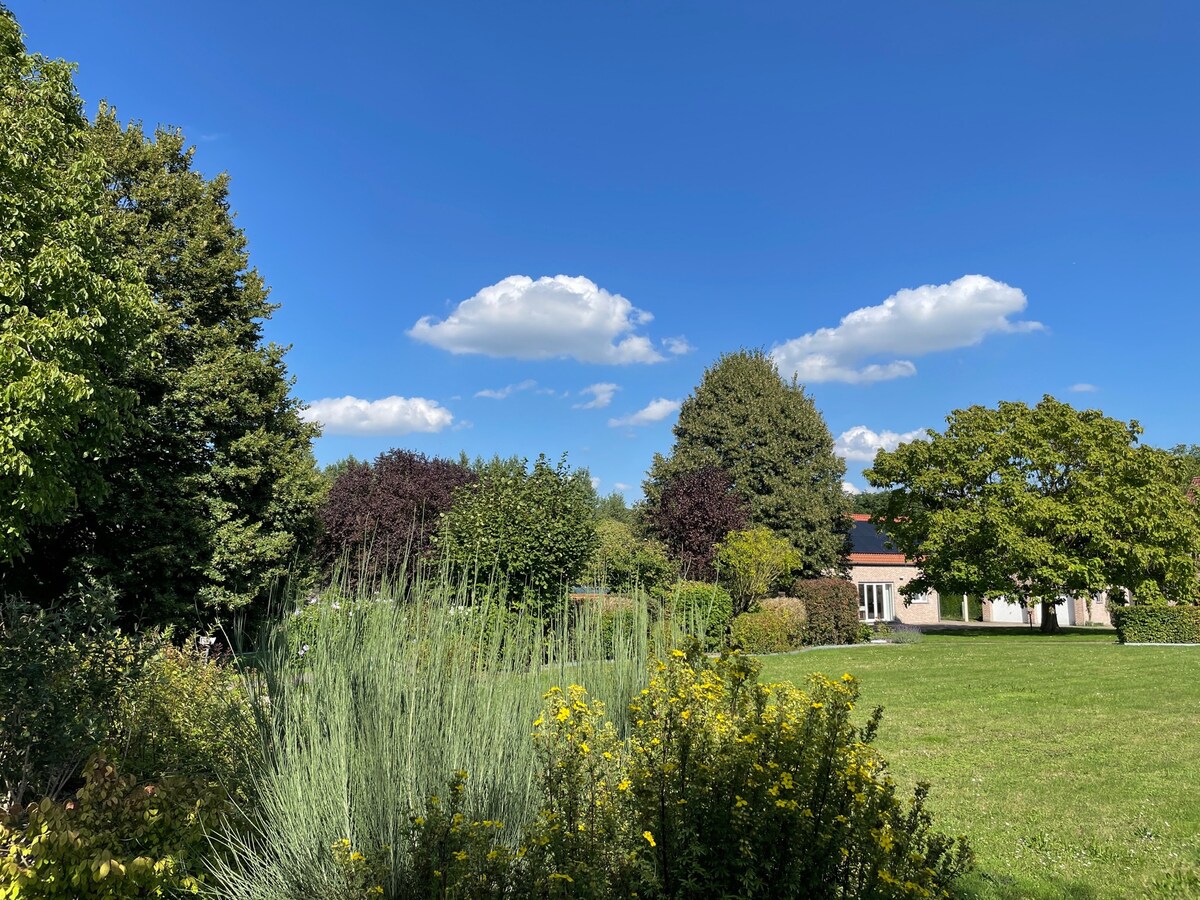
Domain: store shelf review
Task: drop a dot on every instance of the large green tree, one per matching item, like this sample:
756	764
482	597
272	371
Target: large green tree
211	491
768	435
1033	503
72	313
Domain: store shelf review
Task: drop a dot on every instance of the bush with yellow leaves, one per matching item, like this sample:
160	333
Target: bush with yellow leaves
116	839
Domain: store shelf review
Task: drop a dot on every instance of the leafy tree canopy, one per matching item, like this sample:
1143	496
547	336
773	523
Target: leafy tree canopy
531	529
755	562
72	313
1036	502
769	437
383	514
623	561
694	511
613	506
211	488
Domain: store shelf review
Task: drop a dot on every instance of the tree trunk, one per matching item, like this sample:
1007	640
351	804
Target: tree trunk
1049	618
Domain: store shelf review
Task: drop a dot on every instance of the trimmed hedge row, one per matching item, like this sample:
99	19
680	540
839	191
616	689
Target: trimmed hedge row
821	611
1157	624
775	628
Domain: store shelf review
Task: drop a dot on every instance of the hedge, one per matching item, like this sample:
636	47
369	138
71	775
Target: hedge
1157	624
699	605
832	608
777	627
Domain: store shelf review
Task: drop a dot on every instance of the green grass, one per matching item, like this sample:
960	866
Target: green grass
1072	763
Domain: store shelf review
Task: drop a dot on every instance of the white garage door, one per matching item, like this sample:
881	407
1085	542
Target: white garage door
1008	611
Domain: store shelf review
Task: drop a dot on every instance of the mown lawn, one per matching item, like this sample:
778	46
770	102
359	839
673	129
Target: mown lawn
1072	763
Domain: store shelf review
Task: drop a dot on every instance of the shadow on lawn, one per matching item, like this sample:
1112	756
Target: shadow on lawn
1023	631
982	886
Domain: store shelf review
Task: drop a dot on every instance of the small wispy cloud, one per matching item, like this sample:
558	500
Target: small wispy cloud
1083	388
654	411
621	486
507	391
601	394
390	415
677	346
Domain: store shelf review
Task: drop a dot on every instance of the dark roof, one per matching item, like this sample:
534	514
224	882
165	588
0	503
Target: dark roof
866	538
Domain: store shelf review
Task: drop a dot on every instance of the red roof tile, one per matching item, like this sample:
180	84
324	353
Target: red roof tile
878	559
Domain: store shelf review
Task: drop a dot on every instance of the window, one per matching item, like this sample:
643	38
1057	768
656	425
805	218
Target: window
925	597
875	602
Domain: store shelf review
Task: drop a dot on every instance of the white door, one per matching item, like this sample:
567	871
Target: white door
1008	611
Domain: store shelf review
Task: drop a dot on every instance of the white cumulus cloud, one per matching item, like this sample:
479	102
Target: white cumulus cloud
391	415
677	345
871	344
1084	388
654	411
601	394
861	443
551	318
848	488
506	391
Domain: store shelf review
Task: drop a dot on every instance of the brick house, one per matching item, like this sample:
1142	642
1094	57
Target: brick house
878	571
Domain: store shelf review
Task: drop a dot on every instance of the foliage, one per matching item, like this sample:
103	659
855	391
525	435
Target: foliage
62	674
1190	470
777	626
1157	624
531	530
622	561
117	839
702	610
394	693
377	515
613	506
755	562
771	440
869	502
210	490
188	715
831	608
71	314
730	787
1036	502
691	513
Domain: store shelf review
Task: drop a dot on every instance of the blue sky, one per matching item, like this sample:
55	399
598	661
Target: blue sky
917	206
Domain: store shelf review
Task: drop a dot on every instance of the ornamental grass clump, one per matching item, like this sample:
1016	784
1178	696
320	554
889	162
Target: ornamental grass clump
387	695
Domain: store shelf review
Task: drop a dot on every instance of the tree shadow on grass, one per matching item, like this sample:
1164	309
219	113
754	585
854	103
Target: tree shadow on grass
1082	633
984	886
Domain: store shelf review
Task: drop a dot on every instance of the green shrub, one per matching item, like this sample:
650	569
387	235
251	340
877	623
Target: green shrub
776	627
1157	624
701	609
754	562
832	608
726	787
187	715
117	839
63	673
622	561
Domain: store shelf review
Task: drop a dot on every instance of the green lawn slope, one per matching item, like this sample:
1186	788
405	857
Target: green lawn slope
1071	762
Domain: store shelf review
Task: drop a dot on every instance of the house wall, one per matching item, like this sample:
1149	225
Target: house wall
1078	613
897	576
